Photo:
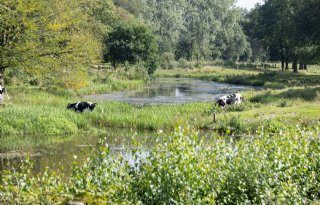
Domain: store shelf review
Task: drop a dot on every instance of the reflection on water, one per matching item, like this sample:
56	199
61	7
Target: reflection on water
62	154
172	90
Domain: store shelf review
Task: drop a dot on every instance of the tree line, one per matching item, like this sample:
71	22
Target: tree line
286	31
56	40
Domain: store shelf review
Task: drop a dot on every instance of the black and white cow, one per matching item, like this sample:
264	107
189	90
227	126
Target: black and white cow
229	99
2	91
81	106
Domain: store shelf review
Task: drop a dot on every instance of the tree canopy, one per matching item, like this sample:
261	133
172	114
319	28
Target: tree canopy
54	40
197	29
288	31
132	42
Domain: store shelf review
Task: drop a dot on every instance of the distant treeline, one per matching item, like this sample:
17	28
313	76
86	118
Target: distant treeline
286	31
55	41
193	29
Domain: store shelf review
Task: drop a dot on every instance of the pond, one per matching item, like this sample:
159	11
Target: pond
59	151
65	148
172	90
76	148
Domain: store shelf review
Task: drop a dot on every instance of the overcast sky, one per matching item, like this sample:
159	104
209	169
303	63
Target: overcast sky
249	4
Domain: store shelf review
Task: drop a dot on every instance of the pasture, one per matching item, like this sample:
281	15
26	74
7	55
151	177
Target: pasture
284	117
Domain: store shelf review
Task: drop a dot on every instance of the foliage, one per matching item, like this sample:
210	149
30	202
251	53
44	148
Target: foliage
167	60
132	42
50	40
280	167
132	6
197	30
286	30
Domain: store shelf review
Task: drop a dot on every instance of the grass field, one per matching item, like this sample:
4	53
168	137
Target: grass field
286	100
265	150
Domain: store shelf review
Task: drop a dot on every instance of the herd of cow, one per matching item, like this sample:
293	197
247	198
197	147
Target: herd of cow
222	102
89	106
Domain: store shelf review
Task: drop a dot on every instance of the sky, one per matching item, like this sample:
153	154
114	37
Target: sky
248	4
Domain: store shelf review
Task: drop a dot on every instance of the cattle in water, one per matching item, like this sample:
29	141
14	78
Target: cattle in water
229	99
81	106
2	91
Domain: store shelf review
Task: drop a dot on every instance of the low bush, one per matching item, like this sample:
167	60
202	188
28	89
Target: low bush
167	61
183	63
280	167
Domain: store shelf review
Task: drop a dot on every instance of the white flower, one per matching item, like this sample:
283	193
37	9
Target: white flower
75	156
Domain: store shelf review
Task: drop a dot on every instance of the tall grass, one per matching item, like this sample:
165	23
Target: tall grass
42	112
33	110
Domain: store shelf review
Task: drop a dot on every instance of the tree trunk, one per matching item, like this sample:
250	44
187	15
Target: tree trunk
295	65
282	58
287	65
305	67
300	66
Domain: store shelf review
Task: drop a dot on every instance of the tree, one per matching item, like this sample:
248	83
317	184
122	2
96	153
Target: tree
134	7
132	42
166	20
307	31
289	31
249	24
273	28
197	29
49	39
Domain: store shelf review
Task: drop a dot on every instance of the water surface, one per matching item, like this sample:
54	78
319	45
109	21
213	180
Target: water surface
62	154
172	90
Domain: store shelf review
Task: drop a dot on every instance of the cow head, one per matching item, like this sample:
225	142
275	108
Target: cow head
92	106
221	102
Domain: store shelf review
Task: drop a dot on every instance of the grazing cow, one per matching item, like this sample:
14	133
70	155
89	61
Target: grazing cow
81	106
229	99
2	91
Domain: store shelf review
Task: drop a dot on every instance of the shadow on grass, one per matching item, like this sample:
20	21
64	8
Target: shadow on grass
307	94
275	80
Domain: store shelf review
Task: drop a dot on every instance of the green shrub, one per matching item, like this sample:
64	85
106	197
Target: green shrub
132	42
167	61
181	168
183	63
